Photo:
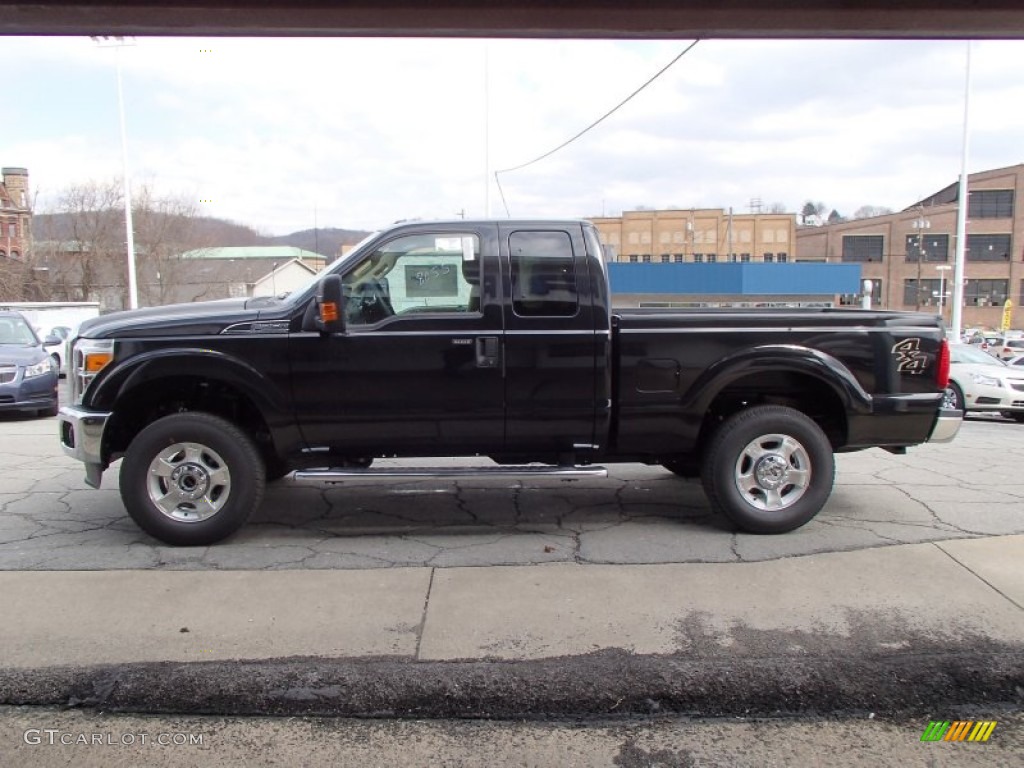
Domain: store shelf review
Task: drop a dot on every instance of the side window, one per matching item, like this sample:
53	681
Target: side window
422	273
543	274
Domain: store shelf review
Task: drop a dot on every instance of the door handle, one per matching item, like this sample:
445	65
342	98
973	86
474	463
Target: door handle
487	352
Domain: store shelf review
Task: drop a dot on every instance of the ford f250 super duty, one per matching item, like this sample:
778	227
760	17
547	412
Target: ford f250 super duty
494	339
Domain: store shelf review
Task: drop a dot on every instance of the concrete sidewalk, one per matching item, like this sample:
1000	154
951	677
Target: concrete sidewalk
416	632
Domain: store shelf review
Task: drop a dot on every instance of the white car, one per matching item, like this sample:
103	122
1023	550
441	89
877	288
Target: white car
1005	349
980	382
55	341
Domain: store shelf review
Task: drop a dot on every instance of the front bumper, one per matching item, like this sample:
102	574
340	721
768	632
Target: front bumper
35	394
947	424
81	437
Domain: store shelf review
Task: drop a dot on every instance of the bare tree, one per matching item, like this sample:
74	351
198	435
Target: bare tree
165	229
85	253
81	255
777	208
868	211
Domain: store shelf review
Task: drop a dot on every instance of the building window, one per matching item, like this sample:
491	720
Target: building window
633	258
12	230
782	258
733	258
745	257
645	258
698	258
666	258
677	258
712	257
935	247
768	236
863	247
921	293
769	258
990	204
988	247
985	293
781	235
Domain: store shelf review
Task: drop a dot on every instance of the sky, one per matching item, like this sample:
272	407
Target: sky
288	134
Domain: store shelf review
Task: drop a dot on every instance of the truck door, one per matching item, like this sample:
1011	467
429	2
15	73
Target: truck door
551	339
418	368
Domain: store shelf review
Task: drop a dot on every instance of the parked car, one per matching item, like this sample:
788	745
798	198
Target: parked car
55	341
980	382
1005	349
1016	361
28	375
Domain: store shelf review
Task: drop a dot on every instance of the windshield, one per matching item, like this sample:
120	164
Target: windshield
14	330
962	354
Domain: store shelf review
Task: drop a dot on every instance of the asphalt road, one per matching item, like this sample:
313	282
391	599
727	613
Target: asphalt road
50	520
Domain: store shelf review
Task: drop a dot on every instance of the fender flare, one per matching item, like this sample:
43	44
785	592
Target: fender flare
778	357
127	376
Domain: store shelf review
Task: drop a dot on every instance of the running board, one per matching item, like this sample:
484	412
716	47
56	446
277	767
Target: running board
447	473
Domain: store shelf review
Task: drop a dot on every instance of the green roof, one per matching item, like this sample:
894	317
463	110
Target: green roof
281	252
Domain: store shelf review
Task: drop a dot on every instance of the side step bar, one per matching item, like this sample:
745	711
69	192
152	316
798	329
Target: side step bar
448	473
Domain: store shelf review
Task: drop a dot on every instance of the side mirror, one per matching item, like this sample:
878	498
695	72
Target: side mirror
330	305
50	340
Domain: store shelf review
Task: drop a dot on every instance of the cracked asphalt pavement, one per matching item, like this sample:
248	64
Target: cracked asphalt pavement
50	520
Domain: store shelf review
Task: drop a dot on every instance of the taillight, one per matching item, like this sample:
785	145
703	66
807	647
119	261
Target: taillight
942	365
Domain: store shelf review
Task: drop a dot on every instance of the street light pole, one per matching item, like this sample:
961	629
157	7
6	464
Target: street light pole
920	224
942	269
117	43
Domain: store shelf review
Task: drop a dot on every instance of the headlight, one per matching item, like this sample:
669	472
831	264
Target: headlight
988	381
41	368
88	357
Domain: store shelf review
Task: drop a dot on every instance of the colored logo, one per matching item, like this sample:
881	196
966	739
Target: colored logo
958	730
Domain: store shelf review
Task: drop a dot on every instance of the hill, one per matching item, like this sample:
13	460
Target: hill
211	232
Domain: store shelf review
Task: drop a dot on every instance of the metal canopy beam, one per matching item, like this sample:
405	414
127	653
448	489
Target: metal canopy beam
652	19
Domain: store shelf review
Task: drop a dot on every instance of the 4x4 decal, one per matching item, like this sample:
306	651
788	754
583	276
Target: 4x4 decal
909	357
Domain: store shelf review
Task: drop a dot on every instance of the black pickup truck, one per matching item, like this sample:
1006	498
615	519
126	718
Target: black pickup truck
494	339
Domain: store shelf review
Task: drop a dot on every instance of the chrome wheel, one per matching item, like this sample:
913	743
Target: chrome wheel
773	472
188	482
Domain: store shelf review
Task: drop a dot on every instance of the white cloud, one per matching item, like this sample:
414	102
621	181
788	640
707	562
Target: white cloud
363	132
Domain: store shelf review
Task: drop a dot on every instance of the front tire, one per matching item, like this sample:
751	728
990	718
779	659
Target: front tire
191	479
954	398
769	469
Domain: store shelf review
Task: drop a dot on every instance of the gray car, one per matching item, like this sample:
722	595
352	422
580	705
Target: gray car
28	375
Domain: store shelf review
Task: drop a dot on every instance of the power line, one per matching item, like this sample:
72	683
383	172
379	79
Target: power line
594	124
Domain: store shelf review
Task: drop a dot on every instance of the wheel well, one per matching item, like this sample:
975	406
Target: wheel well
807	394
177	394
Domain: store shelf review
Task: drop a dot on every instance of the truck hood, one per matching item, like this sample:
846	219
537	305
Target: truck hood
203	318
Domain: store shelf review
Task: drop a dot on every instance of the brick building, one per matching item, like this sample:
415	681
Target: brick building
15	214
909	255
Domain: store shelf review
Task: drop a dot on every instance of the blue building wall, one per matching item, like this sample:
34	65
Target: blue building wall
735	279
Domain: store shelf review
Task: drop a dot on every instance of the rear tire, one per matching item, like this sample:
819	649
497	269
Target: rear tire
191	479
769	469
